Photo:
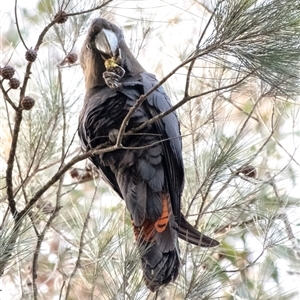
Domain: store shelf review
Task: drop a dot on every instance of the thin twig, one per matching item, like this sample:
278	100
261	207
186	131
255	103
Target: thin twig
17	24
6	97
144	97
81	245
58	194
62	170
248	161
88	10
38	250
11	158
284	217
180	103
10	164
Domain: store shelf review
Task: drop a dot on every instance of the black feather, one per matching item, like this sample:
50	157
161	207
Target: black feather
143	177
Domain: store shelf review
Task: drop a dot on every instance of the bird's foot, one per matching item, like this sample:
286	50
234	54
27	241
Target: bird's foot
117	70
113	75
111	79
113	135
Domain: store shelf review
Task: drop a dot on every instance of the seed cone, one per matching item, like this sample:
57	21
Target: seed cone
7	72
31	55
14	83
61	17
27	103
71	58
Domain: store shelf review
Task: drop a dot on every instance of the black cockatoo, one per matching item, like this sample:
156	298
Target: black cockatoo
149	178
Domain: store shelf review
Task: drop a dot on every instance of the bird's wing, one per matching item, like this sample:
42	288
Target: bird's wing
168	127
88	141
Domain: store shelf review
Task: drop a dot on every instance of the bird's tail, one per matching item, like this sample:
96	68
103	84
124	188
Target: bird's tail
191	235
158	245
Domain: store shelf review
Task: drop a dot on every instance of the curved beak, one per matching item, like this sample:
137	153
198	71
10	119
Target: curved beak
106	42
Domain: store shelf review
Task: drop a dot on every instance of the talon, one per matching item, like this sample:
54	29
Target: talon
117	70
111	79
113	135
108	74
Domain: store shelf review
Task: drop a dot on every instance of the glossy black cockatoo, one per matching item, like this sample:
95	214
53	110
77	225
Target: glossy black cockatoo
148	172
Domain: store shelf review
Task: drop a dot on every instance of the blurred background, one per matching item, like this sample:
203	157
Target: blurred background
239	88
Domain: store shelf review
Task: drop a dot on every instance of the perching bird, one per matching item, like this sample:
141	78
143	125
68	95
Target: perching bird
148	172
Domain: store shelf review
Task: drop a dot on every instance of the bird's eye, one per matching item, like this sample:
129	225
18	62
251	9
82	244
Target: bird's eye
88	46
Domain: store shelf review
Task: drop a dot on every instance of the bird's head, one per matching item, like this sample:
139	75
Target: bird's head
105	47
106	38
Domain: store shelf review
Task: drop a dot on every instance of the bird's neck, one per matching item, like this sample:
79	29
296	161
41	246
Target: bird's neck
130	63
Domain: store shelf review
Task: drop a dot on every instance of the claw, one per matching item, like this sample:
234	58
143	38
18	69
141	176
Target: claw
117	70
111	79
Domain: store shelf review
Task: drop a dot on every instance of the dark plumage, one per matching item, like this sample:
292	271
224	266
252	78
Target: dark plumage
150	180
